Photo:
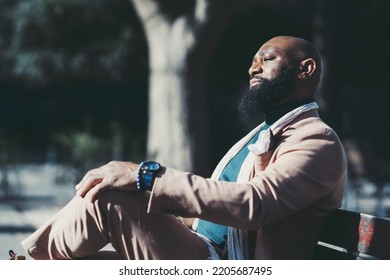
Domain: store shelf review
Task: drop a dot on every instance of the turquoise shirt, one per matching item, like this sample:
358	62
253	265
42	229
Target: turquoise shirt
218	233
215	232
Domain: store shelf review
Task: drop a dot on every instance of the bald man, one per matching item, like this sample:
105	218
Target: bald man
268	198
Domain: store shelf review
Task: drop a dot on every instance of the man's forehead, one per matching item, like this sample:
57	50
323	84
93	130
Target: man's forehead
268	49
276	45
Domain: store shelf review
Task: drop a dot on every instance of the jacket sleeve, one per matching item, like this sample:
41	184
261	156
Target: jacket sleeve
307	170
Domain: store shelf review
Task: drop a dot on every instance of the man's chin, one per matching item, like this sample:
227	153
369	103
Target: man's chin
250	107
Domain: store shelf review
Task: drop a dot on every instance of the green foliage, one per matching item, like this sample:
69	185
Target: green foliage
64	3
63	62
46	40
86	147
82	145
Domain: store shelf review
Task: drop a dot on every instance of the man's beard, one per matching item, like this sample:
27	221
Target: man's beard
268	93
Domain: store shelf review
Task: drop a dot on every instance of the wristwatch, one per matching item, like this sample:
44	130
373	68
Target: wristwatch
147	173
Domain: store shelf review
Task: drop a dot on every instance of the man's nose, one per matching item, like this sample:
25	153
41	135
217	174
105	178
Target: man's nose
255	68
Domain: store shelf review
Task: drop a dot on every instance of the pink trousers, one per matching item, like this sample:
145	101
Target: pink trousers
81	229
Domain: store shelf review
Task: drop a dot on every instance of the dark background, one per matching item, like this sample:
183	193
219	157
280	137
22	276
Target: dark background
74	79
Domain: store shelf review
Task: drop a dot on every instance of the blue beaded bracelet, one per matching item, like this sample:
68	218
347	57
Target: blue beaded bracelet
139	177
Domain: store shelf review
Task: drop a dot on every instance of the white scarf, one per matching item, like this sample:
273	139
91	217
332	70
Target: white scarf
237	239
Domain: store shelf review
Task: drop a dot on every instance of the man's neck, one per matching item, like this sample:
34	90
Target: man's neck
273	115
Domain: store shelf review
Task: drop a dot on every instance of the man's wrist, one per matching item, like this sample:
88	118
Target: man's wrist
146	175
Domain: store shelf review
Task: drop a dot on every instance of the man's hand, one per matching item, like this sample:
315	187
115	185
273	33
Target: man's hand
114	175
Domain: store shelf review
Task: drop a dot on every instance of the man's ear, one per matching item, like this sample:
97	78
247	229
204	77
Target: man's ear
307	68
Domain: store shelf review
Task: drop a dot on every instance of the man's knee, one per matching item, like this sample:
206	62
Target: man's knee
121	201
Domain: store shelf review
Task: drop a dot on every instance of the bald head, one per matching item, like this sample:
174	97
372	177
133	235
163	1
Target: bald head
304	55
299	49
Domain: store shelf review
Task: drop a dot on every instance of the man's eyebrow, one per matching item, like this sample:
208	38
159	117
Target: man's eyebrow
271	50
264	53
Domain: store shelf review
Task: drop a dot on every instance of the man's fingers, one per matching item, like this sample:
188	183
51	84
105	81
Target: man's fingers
86	185
94	192
120	175
87	177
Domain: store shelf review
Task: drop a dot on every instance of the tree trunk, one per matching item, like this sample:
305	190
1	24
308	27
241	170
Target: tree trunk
180	47
169	42
168	135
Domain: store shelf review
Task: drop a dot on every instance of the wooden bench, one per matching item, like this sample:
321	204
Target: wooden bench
351	235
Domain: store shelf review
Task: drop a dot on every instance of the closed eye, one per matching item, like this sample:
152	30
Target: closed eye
269	58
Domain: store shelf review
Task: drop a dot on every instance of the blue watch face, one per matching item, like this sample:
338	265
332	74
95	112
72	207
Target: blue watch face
153	166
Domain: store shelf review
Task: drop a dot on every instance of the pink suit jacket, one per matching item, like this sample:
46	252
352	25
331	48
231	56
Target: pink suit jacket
285	201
